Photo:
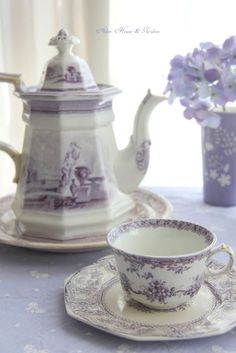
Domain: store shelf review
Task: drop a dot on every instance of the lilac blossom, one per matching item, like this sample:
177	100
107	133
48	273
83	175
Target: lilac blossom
203	80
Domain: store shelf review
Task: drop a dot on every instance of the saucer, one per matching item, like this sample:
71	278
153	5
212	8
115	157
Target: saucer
94	296
147	205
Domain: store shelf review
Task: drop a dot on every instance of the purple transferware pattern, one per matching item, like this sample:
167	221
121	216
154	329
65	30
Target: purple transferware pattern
93	296
143	156
73	184
177	265
159	223
158	290
143	308
70	75
146	204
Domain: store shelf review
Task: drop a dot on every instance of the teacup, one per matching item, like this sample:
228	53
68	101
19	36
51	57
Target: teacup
163	263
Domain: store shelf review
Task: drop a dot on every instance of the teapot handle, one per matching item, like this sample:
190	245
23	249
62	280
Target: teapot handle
14	79
15	155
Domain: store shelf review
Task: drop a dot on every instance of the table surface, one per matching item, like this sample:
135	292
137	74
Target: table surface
32	311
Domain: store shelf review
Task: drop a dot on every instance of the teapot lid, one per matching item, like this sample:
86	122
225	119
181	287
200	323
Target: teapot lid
66	71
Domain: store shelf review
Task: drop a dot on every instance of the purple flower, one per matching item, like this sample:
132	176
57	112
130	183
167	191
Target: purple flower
177	62
208	118
213	55
228	81
189	113
206	45
204	79
196	109
212	75
228	43
229	50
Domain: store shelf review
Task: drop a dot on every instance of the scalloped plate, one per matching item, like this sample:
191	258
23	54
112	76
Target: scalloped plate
94	296
147	205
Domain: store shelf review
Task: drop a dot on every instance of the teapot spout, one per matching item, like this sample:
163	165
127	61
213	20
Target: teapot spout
132	162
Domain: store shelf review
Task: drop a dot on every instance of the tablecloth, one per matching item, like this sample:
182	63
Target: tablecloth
32	312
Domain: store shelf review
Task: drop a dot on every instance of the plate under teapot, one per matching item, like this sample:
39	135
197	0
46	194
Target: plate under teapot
147	205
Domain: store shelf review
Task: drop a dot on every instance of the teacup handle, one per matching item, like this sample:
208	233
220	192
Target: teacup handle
15	155
221	248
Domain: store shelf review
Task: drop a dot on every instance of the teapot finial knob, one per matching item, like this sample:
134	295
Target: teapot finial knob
63	40
67	71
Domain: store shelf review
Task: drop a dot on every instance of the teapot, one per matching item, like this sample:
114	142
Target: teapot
71	178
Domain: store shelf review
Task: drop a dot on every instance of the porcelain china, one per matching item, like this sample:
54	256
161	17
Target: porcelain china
147	204
71	178
94	296
163	263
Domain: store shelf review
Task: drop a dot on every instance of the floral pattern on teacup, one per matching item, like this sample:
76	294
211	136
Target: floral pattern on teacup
177	265
158	290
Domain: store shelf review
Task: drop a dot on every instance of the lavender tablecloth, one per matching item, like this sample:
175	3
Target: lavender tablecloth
32	313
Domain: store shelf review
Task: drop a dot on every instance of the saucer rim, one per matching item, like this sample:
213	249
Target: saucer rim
140	338
75	245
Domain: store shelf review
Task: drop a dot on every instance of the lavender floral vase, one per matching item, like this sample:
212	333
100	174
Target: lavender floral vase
219	161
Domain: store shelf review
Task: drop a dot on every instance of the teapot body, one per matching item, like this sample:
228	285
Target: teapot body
67	186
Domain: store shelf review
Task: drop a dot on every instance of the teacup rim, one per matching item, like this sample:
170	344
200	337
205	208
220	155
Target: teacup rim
162	257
